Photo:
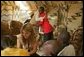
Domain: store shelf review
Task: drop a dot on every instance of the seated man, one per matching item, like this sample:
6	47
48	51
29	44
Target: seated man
53	47
68	50
47	48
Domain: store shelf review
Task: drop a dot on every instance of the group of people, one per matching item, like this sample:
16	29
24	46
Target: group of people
29	40
49	46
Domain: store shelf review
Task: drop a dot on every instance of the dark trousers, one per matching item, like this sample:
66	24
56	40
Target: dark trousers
48	36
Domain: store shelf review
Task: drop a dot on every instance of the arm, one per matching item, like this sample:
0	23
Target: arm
34	48
40	23
18	43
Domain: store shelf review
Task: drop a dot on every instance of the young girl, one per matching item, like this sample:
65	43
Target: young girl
27	39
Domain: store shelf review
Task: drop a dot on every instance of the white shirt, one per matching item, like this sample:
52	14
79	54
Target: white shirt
67	51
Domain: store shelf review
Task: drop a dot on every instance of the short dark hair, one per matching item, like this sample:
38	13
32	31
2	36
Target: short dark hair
65	36
41	8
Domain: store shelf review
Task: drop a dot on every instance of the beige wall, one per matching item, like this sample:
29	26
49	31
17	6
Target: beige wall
75	8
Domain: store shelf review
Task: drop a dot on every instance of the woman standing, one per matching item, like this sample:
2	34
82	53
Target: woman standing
44	24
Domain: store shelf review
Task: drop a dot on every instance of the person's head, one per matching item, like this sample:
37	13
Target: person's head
41	9
15	27
27	31
64	36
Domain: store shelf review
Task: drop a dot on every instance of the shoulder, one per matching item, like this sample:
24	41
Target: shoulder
19	36
69	47
68	51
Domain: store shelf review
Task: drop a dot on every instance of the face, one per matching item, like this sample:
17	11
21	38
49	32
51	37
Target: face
26	34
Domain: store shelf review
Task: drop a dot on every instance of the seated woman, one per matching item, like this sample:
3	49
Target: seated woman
27	39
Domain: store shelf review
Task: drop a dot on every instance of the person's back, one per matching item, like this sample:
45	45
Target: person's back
67	51
50	48
8	41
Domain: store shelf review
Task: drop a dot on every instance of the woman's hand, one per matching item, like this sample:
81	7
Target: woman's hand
34	48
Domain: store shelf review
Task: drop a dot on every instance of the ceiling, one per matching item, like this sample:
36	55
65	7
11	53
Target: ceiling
35	4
